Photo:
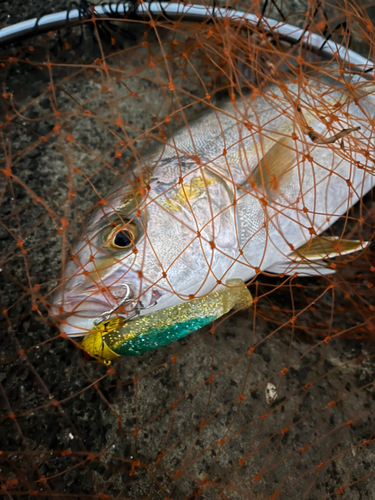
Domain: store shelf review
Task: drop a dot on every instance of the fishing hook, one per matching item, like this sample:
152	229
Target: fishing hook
106	315
125	300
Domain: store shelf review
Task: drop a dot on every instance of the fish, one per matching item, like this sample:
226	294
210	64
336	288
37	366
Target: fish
247	187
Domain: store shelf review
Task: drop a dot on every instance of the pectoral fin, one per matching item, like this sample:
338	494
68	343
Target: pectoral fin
275	167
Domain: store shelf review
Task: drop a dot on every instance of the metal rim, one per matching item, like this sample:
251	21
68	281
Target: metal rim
189	12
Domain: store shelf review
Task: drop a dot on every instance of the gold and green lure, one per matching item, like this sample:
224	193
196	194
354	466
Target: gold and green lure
117	337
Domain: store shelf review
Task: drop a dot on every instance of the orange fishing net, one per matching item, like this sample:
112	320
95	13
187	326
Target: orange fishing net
273	401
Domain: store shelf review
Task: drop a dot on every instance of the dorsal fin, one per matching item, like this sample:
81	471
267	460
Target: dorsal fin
275	167
320	248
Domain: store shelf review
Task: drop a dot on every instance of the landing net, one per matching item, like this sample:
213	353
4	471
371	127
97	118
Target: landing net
273	401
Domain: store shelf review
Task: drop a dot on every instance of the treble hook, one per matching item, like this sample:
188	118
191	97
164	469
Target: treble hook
125	300
107	314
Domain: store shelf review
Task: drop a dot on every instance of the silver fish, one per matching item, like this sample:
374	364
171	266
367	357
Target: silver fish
245	188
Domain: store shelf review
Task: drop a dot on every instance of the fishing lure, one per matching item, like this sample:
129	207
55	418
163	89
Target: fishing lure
118	336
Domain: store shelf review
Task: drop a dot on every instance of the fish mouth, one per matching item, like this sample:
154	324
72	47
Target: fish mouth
79	314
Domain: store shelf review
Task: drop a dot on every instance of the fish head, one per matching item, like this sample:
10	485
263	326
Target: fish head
103	272
141	250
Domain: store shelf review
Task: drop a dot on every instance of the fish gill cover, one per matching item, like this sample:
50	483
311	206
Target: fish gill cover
275	400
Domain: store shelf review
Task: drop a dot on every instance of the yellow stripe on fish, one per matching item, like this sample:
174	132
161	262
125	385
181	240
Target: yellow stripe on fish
187	192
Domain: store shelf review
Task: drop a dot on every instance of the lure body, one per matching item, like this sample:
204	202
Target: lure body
238	191
114	338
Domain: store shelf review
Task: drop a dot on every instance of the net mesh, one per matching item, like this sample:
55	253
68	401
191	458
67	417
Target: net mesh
275	400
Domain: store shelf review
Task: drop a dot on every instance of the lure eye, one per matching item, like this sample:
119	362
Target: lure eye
123	239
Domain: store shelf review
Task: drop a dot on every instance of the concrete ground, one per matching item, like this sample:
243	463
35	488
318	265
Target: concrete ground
201	418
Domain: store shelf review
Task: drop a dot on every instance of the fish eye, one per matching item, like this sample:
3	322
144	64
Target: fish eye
122	237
